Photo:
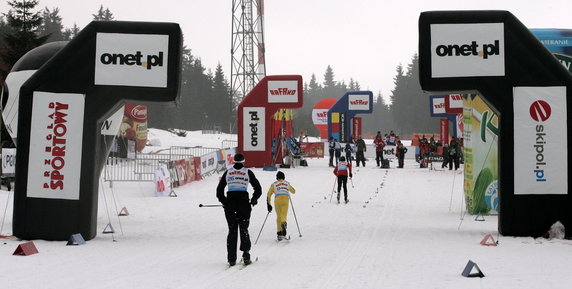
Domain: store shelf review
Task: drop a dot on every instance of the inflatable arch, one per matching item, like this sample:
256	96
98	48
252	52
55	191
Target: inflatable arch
320	116
341	116
495	55
255	114
437	108
61	108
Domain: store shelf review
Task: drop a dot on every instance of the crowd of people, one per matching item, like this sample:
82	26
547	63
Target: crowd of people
452	153
359	147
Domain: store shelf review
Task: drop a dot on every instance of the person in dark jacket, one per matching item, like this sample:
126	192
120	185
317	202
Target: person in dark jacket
445	156
361	148
331	147
237	206
401	151
453	154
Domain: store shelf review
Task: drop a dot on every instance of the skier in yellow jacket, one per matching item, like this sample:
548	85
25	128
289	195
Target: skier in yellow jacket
281	190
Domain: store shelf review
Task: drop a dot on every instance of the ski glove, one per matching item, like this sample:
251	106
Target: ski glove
269	208
253	202
351	176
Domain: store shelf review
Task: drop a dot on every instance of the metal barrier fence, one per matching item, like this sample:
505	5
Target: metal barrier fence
229	143
142	167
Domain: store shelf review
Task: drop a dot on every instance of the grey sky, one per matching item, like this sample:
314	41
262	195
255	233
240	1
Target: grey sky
360	39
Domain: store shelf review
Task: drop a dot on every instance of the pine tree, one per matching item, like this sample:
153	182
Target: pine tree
25	24
224	110
52	25
4	29
70	33
329	82
103	14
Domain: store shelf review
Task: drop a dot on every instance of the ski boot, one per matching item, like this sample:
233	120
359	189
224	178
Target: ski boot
246	258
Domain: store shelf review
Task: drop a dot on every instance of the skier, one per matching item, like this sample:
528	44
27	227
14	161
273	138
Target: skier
401	151
237	206
338	150
379	145
342	170
348	148
281	190
361	148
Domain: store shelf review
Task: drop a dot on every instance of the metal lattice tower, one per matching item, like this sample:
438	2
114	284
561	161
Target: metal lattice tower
247	53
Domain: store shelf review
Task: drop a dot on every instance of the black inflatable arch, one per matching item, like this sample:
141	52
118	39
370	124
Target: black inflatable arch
61	108
493	53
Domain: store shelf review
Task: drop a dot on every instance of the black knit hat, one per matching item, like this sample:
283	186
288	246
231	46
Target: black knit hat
280	175
239	158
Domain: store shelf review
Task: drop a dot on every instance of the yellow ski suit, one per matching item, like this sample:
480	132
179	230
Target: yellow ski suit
281	190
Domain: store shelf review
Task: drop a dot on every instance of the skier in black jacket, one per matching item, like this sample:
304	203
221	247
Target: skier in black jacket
237	206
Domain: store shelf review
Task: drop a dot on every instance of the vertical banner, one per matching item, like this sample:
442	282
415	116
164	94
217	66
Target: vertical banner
335	119
540	141
254	125
481	157
57	127
342	127
134	125
444	130
356	125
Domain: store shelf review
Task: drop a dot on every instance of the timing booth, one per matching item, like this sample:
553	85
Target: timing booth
255	114
71	90
494	54
342	123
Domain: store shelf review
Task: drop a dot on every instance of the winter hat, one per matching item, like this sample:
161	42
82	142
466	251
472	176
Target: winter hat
342	158
280	175
239	158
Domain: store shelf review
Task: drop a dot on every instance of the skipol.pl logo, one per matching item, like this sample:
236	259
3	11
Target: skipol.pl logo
540	112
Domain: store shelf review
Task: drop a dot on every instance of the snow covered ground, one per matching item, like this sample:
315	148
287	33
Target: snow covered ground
403	228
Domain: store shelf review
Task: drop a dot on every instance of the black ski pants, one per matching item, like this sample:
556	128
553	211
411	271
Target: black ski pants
360	157
237	212
343	182
379	157
331	157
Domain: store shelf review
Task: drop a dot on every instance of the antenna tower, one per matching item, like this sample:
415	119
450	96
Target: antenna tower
247	53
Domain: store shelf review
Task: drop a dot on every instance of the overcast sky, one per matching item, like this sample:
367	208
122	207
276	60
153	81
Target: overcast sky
360	39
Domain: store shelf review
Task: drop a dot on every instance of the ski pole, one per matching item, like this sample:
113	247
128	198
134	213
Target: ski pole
261	228
209	206
293	211
333	188
352	181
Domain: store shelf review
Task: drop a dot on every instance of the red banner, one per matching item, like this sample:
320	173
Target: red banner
356	128
444	130
313	149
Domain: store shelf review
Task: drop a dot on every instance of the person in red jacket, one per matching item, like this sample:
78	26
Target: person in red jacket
379	145
342	171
